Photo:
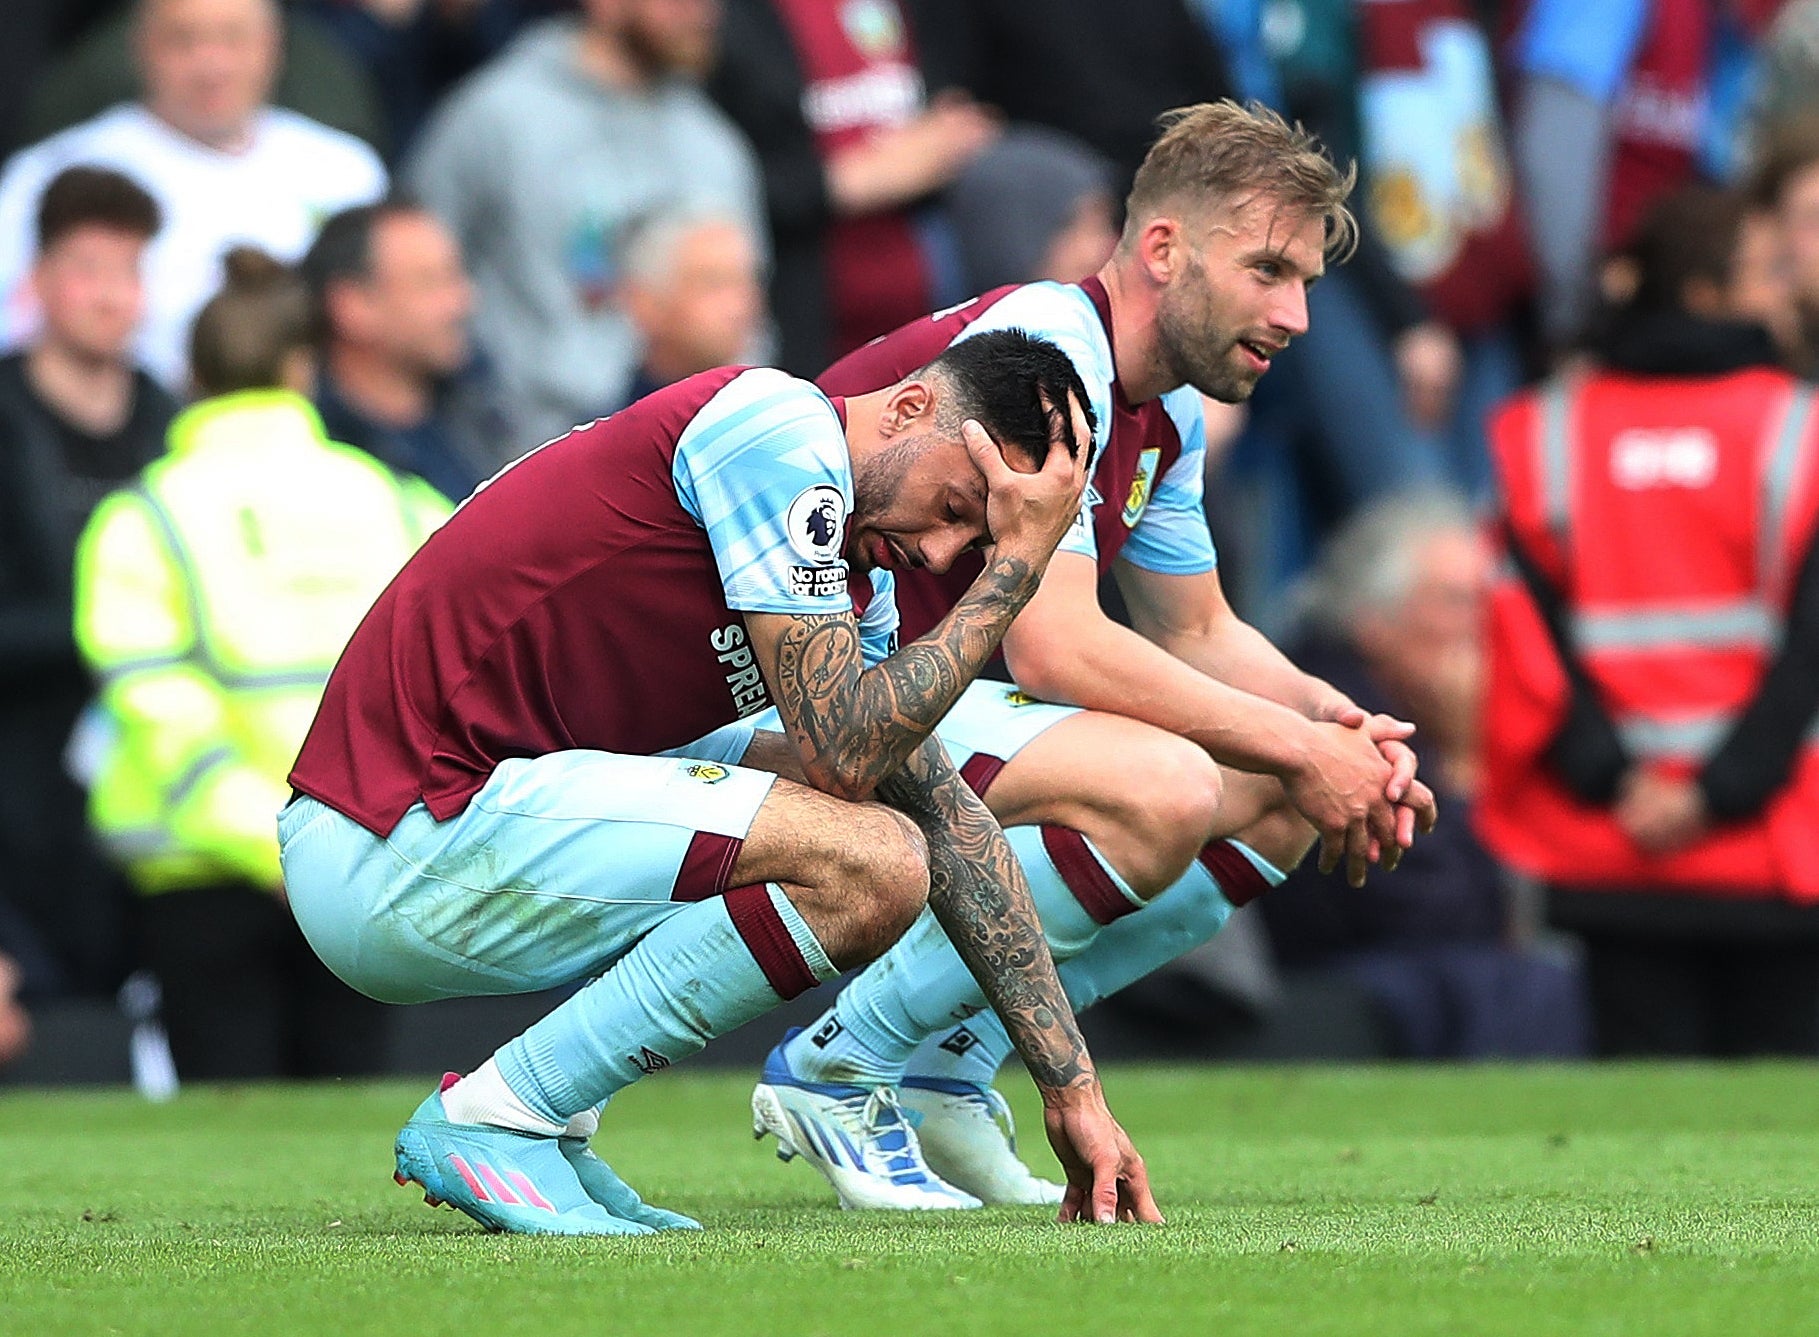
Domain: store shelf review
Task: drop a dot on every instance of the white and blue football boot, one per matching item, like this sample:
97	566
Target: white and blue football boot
970	1140
858	1138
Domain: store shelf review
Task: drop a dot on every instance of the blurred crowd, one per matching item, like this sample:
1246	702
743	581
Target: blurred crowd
290	280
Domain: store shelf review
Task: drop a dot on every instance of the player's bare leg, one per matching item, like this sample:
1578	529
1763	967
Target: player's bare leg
1197	868
798	885
820	852
856	872
815	846
1144	799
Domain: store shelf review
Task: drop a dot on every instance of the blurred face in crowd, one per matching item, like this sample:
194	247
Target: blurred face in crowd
1428	648
208	65
413	307
1760	290
1080	248
671	36
1798	213
88	286
705	311
1445	605
1236	290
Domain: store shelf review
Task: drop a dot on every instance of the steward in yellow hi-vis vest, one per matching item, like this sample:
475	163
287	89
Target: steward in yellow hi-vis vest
211	602
212	599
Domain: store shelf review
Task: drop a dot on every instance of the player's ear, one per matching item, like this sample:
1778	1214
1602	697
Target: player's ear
1160	248
908	404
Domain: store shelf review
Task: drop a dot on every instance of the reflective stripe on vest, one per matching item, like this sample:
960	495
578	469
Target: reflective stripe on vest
1778	486
1743	624
230	679
137	842
1683	737
196	772
1555	458
126	668
192	595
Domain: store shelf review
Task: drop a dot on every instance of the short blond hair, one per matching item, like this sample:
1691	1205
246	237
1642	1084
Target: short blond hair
1220	153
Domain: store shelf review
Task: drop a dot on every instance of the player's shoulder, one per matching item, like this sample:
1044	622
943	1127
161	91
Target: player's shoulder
1051	310
755	407
1065	315
770	388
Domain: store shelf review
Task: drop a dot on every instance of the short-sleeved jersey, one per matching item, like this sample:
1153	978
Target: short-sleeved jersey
1144	502
592	595
875	602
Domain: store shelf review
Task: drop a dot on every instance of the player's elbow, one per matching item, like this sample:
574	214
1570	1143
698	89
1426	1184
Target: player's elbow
853	783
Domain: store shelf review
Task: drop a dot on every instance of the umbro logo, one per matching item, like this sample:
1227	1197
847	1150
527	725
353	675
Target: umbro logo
647	1060
822	1038
959	1042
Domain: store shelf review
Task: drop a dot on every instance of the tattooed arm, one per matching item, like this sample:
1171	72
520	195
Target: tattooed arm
852	725
978	892
976	887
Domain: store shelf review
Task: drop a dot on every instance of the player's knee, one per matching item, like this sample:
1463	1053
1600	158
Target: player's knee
889	875
1281	835
1184	803
1170	814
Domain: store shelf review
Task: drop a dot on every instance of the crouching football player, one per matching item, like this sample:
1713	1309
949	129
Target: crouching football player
514	780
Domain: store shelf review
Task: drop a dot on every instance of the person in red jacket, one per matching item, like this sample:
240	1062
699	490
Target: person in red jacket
1651	745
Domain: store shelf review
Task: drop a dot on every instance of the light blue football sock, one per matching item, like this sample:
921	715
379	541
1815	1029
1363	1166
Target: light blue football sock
969	1054
921	985
1187	914
705	970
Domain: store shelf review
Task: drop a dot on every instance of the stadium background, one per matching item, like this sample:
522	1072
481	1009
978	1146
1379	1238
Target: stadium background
1508	152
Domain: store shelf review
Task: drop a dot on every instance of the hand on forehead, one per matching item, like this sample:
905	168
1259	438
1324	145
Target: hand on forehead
1071	428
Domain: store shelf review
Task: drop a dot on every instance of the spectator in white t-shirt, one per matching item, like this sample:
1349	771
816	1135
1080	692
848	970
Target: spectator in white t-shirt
225	167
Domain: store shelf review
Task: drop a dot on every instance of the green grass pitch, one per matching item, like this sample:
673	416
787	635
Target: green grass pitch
1629	1200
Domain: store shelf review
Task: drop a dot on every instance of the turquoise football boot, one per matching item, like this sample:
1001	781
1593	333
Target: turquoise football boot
618	1197
518	1183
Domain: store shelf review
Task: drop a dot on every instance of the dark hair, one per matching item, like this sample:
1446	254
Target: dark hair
95	197
343	252
1017	386
1790	148
242	337
1690	234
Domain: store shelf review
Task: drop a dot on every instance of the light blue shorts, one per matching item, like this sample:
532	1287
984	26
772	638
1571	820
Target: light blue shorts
554	870
990	723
